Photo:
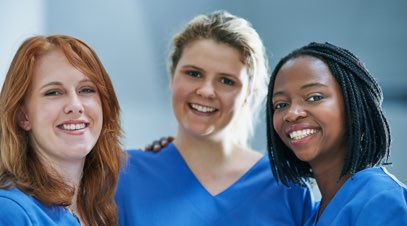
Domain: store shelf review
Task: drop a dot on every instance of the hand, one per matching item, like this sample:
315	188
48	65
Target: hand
157	145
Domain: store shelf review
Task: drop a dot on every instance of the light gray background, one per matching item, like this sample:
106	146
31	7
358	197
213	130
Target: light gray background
131	37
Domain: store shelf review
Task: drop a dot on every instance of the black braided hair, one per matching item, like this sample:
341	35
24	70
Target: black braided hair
368	132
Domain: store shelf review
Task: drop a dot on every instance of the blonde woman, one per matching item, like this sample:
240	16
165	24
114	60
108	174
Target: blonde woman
209	175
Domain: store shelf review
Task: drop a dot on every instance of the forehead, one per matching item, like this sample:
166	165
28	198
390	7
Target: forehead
302	70
211	51
54	65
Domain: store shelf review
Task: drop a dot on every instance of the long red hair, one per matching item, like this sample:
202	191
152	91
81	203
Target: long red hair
19	164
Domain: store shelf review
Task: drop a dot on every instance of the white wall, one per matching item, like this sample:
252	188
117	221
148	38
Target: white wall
18	20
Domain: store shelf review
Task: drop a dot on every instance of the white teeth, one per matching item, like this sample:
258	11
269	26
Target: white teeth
202	108
74	126
299	134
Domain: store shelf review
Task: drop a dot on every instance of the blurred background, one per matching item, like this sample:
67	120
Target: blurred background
132	37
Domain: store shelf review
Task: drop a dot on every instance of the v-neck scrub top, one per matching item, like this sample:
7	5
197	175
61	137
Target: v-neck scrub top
371	197
158	189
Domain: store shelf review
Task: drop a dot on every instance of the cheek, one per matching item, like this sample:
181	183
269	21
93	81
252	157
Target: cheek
43	113
178	99
333	115
179	92
95	110
278	123
337	122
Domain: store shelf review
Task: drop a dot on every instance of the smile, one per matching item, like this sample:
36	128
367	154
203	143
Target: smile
72	127
300	134
201	108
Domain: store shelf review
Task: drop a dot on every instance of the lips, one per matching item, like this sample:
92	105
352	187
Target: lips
202	108
300	131
73	126
300	134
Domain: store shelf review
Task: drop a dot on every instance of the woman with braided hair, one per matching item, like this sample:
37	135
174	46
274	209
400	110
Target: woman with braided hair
325	121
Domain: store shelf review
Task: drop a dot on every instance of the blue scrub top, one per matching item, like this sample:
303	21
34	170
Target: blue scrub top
372	197
20	209
158	189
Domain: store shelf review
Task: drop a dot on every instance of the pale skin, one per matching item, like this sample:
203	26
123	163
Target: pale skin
209	87
63	115
308	99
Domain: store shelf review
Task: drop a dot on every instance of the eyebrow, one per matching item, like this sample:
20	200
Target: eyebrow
188	66
55	83
304	87
51	84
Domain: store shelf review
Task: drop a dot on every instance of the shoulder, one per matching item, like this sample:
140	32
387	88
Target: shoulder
370	185
15	195
375	197
14	207
135	157
138	156
376	180
385	187
19	208
147	164
388	206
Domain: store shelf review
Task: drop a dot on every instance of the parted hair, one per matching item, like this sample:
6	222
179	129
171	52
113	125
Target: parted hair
20	165
368	132
238	33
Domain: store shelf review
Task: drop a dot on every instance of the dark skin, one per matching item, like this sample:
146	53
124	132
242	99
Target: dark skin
309	119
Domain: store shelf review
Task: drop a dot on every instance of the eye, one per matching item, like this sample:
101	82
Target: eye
227	81
52	93
314	98
87	90
279	105
195	74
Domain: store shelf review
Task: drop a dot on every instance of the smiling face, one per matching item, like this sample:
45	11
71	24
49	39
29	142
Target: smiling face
62	111
309	114
209	86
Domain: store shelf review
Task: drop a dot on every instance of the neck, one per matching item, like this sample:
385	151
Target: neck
216	163
328	182
73	177
206	149
71	172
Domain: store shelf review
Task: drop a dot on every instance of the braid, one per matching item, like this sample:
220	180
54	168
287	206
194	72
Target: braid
368	132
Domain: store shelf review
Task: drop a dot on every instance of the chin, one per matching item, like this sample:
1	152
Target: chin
81	151
199	130
305	157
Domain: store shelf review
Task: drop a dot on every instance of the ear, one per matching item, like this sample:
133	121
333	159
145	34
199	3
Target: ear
22	119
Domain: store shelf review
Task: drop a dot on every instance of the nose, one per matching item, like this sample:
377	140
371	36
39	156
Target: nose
73	105
206	90
295	112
